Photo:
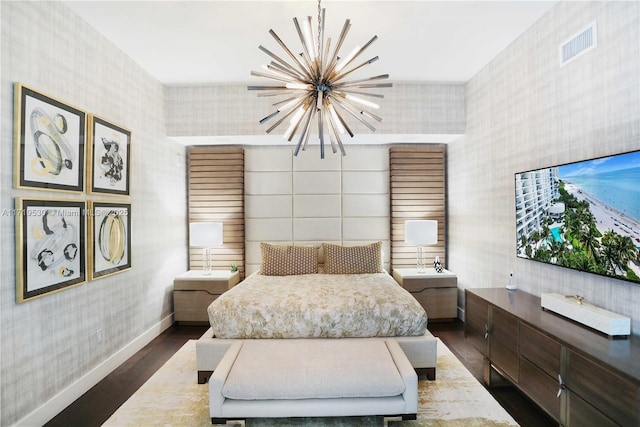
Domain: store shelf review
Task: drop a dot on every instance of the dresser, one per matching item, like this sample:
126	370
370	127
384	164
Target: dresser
436	292
578	376
193	291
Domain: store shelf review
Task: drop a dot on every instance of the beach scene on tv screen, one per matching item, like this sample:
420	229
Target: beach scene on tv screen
583	215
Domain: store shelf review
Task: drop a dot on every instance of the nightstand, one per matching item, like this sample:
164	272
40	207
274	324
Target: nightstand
436	292
193	291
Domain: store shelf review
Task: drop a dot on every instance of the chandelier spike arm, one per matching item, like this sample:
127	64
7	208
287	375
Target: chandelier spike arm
275	67
333	133
287	114
272	76
372	85
341	120
346	73
349	98
357	92
321	133
304	136
325	56
353	55
355	82
307	131
307	30
278	59
307	57
275	93
294	123
302	68
371	115
334	58
278	88
357	113
288	103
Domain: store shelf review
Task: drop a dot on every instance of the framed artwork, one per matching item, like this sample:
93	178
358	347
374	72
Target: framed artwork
110	247
49	142
50	246
110	163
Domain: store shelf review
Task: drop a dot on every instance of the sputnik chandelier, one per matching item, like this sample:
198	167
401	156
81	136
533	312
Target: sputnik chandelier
315	87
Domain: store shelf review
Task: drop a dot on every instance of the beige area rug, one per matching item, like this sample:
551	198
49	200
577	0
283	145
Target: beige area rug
172	397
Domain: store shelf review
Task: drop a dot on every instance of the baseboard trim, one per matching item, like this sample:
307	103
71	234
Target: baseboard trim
59	402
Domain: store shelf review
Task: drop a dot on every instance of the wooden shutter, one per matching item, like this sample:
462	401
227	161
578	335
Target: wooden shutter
216	193
417	187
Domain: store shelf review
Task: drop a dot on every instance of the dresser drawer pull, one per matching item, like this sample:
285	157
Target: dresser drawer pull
561	386
486	331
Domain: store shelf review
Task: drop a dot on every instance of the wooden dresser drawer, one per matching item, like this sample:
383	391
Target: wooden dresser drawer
584	415
540	350
503	347
476	322
542	388
616	397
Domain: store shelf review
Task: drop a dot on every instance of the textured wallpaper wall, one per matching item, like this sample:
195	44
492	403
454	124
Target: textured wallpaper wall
525	112
407	108
50	343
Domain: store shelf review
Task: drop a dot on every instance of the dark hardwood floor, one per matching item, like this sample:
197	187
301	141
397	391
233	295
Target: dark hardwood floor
96	406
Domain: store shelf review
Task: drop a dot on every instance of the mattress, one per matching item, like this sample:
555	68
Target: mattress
317	306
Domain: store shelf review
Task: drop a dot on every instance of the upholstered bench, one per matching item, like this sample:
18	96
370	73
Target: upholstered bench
313	378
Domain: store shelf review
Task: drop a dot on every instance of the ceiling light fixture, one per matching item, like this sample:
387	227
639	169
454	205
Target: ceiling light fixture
314	83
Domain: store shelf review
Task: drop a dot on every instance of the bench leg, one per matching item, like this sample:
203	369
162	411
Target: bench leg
230	421
203	376
398	418
430	373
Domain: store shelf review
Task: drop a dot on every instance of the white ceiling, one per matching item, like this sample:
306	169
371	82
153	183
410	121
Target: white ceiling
191	42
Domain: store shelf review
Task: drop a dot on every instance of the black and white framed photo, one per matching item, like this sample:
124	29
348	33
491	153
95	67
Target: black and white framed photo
110	237
110	148
50	246
49	142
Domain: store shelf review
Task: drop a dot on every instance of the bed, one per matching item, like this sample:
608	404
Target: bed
323	292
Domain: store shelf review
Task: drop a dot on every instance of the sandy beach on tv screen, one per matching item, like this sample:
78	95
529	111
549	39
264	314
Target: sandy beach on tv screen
608	218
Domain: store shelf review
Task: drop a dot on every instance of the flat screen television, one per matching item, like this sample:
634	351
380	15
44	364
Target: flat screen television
583	215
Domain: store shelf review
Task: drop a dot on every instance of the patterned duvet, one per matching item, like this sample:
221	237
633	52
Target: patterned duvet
317	306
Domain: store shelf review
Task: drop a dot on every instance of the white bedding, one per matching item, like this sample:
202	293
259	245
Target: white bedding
317	306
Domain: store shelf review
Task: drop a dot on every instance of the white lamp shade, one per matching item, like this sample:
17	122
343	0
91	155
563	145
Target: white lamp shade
205	234
421	232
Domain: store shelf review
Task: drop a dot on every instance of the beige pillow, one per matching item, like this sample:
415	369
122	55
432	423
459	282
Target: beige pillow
285	260
352	259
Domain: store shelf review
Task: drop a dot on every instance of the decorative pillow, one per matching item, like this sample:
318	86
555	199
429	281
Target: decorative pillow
285	260
352	259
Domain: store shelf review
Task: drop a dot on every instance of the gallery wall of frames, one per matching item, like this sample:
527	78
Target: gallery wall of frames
66	241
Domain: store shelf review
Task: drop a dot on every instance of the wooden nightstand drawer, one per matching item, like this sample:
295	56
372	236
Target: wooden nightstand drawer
436	292
193	291
211	286
191	306
439	303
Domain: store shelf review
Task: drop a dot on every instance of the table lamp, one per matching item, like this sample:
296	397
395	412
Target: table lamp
421	233
205	235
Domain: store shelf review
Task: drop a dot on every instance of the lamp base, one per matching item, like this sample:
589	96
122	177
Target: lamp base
206	261
420	261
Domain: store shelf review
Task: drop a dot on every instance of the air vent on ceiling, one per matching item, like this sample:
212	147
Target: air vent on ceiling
579	44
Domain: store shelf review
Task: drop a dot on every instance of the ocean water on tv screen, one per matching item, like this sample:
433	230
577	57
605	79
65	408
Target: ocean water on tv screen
619	189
